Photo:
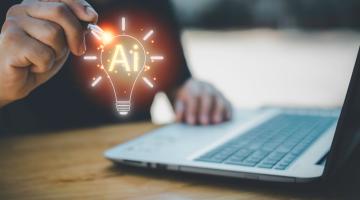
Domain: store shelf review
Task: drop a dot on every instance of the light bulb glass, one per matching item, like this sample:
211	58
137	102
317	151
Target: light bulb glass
123	58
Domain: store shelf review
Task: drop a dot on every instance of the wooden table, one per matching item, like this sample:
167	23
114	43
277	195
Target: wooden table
70	165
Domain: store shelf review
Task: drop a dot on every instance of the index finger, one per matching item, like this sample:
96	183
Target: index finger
60	14
81	8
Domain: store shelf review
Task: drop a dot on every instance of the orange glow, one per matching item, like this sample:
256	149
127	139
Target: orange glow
107	37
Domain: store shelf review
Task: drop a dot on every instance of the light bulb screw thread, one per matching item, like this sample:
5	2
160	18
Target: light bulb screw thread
123	107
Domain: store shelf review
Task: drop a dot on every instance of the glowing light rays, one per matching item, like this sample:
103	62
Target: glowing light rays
123	58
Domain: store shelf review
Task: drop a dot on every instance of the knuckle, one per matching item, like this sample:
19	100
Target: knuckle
14	9
52	32
9	22
61	9
191	91
181	94
194	93
47	59
11	36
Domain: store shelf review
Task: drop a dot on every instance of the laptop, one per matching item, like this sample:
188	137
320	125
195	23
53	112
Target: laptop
272	144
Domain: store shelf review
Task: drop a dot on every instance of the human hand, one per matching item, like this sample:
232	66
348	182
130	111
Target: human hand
35	41
199	102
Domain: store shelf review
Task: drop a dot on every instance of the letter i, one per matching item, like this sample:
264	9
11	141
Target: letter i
136	58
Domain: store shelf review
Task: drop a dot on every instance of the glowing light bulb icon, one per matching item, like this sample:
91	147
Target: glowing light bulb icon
123	59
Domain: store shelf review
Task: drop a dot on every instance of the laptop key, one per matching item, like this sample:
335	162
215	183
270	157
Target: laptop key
266	165
273	158
257	156
239	156
280	167
275	143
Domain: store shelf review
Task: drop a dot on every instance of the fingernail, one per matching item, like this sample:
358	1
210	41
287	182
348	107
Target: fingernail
90	11
82	50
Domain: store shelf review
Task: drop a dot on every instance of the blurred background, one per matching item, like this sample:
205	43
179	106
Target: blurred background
241	14
270	52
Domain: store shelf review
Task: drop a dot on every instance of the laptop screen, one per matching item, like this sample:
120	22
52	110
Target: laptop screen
347	135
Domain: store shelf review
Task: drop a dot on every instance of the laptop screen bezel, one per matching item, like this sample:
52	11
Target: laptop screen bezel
341	149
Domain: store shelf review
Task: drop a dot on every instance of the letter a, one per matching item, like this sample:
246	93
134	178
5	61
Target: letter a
115	60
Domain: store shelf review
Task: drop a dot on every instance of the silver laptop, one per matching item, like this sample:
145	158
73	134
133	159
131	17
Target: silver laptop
273	144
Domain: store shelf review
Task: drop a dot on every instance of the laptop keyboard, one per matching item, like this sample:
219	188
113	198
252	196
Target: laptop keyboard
274	144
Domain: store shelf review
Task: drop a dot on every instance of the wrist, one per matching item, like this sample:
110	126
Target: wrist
3	103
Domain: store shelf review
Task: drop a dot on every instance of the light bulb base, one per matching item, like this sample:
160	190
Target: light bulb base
123	107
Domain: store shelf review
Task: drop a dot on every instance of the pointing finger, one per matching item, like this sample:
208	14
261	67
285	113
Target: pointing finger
81	8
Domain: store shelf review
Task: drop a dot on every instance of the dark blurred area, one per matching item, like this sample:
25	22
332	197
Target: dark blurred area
238	14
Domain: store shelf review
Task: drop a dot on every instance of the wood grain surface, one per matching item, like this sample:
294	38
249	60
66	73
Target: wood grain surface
70	165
